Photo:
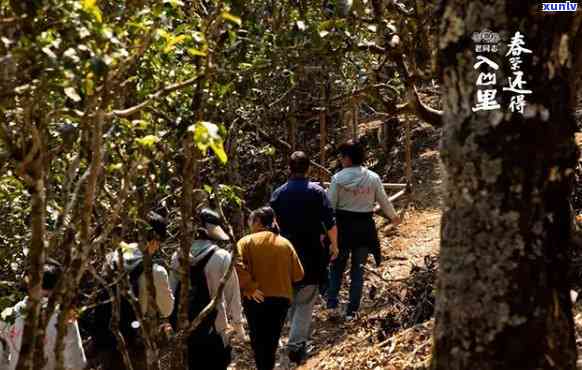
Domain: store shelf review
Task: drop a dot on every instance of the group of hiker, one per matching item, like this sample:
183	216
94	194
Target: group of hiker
297	250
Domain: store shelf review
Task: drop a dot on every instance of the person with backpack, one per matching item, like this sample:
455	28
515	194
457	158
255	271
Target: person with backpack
132	257
353	194
268	266
305	215
209	343
12	326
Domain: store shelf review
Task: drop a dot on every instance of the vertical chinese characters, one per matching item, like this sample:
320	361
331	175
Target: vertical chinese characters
517	82
486	96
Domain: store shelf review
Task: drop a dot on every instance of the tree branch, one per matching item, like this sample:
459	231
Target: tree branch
422	110
159	94
280	99
280	143
8	21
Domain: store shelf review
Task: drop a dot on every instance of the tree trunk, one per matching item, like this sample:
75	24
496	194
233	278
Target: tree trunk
503	298
32	331
186	231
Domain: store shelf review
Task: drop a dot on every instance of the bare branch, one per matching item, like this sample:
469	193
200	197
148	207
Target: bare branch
8	21
161	93
363	90
280	143
423	111
280	99
121	198
65	112
426	113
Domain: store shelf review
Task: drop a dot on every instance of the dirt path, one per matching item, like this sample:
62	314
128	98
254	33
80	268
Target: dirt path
340	345
361	344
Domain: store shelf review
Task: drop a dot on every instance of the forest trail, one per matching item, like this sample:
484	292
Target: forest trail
393	330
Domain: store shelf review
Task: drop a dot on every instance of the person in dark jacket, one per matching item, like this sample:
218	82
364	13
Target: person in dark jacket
353	194
304	215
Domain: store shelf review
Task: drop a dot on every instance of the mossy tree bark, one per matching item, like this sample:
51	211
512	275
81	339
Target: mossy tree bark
503	299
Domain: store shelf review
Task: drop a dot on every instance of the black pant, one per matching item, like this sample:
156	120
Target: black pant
208	352
111	358
265	324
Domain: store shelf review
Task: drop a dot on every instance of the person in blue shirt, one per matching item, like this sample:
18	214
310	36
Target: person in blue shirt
305	216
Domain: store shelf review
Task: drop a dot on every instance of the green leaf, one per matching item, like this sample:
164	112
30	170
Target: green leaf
196	53
173	41
174	3
231	18
72	94
148	141
115	167
90	6
206	135
208	188
229	193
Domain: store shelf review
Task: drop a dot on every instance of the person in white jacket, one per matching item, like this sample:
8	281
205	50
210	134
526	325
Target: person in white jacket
353	193
12	326
216	266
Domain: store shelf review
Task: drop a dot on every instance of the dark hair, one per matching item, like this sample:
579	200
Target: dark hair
299	163
50	276
157	226
266	216
354	150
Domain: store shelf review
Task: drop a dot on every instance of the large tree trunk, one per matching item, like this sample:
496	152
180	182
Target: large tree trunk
503	298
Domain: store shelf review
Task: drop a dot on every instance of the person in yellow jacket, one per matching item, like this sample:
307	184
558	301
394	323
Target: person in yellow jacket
267	267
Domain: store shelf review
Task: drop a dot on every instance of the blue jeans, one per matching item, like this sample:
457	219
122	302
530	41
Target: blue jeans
301	315
336	273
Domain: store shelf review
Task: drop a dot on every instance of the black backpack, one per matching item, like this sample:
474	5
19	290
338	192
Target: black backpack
198	298
102	334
